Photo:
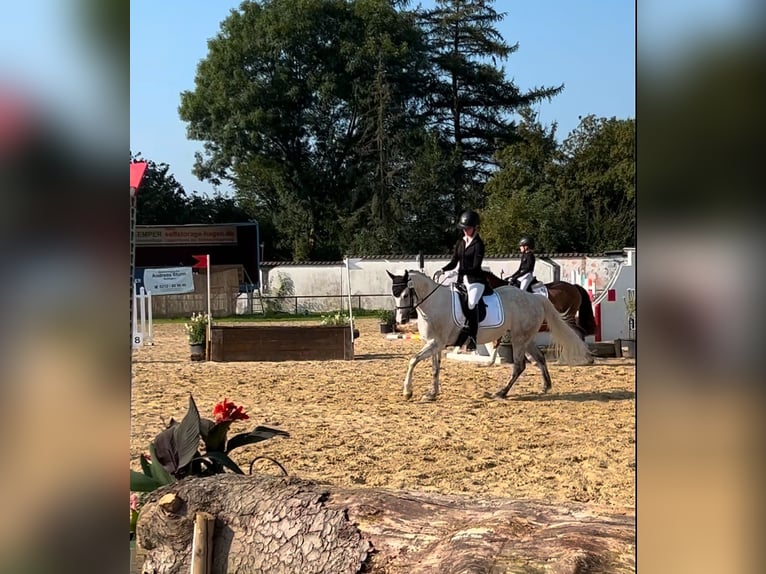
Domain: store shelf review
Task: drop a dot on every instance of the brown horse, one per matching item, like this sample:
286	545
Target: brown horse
571	300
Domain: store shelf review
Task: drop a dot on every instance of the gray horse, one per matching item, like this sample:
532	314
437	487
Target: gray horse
523	313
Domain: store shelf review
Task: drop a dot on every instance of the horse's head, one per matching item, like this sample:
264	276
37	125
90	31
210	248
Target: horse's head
403	291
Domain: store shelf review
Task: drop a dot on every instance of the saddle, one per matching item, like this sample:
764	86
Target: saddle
535	286
481	307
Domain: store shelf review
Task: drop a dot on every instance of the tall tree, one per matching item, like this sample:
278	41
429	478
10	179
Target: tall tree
472	98
390	125
600	166
520	195
282	102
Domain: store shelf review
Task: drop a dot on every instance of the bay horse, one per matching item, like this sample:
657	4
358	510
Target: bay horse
521	315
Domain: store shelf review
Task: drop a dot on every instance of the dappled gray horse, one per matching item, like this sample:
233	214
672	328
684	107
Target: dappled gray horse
522	314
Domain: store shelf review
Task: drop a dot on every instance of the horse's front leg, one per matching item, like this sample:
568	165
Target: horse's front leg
424	353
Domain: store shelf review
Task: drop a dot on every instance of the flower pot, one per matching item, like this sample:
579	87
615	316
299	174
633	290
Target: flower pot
197	351
386	328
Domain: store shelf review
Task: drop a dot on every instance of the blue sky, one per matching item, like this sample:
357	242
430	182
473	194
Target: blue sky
588	45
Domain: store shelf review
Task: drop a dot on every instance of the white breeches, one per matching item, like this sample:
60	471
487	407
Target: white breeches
475	291
524	281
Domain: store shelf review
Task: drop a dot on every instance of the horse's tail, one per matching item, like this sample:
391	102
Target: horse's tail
585	318
571	349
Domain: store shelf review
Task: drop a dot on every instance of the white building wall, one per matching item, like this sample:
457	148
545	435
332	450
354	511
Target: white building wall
323	287
368	275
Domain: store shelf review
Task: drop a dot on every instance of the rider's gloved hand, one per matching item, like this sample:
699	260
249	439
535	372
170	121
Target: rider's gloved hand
438	275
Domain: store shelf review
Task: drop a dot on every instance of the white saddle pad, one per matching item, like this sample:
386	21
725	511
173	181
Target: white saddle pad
539	288
495	315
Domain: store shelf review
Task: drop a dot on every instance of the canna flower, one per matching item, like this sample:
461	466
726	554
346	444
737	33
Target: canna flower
227	411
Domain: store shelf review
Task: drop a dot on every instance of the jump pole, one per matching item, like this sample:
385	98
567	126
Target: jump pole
209	334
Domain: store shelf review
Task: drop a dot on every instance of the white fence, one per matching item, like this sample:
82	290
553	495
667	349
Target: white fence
142	318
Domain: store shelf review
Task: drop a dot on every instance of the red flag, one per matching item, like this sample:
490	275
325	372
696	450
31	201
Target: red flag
201	262
137	170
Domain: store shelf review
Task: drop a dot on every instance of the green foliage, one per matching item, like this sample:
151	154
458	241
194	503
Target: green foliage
337	318
366	127
600	165
284	287
175	452
575	196
289	99
471	97
196	329
386	316
161	200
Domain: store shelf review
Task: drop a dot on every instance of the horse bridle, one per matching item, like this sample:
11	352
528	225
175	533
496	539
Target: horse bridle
413	294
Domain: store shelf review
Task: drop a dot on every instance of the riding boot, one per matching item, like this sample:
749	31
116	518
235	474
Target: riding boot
473	328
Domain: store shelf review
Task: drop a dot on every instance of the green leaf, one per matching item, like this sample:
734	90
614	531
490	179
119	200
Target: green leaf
216	437
142	483
224	459
166	452
145	466
187	435
158	470
258	434
205	426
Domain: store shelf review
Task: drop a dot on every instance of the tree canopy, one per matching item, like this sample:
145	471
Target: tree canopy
367	126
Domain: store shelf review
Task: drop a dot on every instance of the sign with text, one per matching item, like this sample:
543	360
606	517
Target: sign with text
186	235
169	281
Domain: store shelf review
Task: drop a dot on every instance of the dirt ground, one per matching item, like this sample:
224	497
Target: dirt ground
349	424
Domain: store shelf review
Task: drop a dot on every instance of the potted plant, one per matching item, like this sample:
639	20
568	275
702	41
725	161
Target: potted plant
196	330
387	320
194	447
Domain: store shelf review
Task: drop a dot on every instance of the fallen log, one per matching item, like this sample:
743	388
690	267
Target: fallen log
269	524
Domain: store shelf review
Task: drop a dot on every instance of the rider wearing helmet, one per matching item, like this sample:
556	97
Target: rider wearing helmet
468	255
523	277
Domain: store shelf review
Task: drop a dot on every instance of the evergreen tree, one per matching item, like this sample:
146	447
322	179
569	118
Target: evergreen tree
471	98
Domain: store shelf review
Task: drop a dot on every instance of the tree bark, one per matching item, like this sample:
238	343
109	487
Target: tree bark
287	525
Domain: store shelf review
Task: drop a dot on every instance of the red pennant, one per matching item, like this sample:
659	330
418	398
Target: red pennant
137	170
201	262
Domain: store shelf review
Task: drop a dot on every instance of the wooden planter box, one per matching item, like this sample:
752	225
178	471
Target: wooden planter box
280	343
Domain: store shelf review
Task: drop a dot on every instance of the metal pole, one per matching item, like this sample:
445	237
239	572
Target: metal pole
209	336
350	305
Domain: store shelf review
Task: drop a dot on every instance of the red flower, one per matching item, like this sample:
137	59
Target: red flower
228	411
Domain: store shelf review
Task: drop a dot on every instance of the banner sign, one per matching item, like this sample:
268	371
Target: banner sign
186	235
169	281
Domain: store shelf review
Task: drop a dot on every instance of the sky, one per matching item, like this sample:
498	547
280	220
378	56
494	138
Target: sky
588	45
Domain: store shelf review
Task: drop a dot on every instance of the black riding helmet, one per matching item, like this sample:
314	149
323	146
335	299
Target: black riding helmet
468	219
528	241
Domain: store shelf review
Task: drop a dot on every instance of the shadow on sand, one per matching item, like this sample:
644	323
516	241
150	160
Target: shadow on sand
603	396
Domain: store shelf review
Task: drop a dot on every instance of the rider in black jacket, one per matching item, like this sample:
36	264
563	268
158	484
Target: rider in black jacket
524	274
468	255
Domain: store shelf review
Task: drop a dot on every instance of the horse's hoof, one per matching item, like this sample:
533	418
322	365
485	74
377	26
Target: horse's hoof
427	398
488	395
407	396
546	389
